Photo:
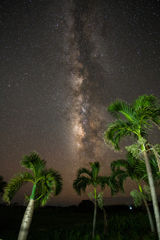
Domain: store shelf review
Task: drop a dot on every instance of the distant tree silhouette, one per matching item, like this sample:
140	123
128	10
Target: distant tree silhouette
86	205
2	185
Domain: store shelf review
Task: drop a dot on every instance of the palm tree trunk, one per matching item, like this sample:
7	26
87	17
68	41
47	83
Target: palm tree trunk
149	216
147	208
153	192
94	218
27	218
105	222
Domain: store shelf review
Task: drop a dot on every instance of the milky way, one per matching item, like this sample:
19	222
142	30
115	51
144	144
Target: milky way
83	46
63	62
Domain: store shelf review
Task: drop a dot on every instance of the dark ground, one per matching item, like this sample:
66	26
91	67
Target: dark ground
54	217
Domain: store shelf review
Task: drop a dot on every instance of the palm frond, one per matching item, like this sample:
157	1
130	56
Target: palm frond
121	107
102	181
57	181
114	185
117	178
95	169
145	101
43	193
81	183
15	184
83	171
46	195
148	109
33	162
50	182
116	131
53	180
155	117
132	166
121	176
118	163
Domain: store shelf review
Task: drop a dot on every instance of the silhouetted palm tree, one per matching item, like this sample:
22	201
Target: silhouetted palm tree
93	179
45	183
134	169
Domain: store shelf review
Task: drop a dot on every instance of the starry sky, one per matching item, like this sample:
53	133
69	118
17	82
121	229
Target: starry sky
62	63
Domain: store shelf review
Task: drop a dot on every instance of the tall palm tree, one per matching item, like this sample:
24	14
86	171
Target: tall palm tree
2	185
122	169
93	179
134	120
45	183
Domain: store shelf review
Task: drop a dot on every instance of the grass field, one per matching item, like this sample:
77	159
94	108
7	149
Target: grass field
67	225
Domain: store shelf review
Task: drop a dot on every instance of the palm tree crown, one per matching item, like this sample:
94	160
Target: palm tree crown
45	181
138	118
132	168
92	178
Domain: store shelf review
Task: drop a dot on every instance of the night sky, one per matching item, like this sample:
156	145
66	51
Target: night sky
62	63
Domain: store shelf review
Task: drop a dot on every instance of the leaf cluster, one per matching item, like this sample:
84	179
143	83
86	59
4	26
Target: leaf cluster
138	197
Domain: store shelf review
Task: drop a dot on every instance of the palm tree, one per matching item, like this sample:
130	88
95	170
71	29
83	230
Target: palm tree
94	180
132	169
2	185
154	165
138	117
45	182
